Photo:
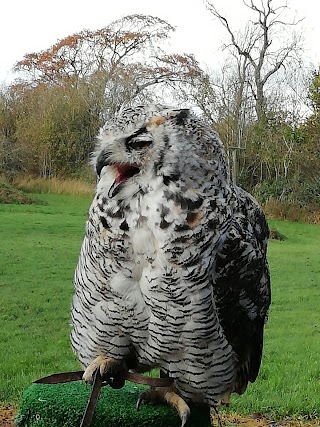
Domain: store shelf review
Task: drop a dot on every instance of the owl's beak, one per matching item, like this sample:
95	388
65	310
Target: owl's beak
101	162
123	172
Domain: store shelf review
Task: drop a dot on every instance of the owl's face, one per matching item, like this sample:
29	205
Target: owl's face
134	139
146	142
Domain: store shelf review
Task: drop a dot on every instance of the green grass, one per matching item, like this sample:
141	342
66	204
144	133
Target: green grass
289	381
38	253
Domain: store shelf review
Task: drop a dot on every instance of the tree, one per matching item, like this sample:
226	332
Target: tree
86	52
259	61
125	57
48	130
11	160
65	93
310	159
314	92
253	99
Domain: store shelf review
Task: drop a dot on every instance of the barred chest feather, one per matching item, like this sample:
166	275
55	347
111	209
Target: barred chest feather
155	254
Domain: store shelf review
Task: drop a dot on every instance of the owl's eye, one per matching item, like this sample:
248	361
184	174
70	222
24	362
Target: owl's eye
140	140
138	143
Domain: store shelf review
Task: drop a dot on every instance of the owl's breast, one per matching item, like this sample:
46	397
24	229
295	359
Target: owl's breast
157	238
143	251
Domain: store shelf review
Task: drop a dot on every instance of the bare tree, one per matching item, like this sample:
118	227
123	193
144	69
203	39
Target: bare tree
254	45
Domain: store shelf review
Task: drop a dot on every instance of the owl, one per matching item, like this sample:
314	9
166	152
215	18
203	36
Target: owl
172	272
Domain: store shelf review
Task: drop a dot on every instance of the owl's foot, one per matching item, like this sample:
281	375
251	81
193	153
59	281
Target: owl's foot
166	395
110	371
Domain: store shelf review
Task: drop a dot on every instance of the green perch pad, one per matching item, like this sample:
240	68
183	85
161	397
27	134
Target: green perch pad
63	405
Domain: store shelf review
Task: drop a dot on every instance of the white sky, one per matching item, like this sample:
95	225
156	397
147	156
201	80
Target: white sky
32	25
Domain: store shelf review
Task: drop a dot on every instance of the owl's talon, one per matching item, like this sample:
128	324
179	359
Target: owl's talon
149	396
108	367
165	395
139	402
184	418
179	404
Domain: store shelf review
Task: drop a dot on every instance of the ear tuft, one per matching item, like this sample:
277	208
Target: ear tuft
182	115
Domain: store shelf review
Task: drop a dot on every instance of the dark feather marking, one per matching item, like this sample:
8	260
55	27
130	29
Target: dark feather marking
181	116
124	226
117	214
171	178
182	227
212	224
159	164
164	224
184	202
104	222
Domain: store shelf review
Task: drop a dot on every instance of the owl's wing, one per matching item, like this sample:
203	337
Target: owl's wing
242	286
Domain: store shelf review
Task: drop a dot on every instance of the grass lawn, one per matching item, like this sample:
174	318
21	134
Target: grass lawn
39	247
38	253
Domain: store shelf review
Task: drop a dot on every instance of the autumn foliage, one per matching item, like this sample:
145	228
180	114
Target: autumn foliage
129	44
52	113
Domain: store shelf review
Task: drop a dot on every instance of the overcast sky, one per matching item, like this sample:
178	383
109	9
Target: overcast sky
33	25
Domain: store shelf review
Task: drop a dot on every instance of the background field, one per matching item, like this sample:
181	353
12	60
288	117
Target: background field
39	247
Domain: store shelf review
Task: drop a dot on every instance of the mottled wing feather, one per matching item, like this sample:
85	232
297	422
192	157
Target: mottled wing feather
242	286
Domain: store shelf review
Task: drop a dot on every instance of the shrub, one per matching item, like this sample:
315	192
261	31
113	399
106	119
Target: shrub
11	195
282	209
296	191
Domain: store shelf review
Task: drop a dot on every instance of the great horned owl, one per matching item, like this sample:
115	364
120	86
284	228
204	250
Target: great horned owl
172	272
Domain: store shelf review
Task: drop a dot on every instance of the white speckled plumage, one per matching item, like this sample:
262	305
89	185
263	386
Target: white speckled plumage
172	272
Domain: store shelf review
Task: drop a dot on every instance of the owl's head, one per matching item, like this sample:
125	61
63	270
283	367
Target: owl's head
147	141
